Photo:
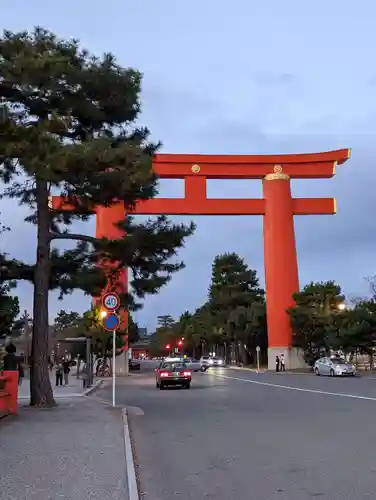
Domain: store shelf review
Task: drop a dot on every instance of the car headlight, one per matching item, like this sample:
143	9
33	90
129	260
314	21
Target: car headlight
210	361
220	362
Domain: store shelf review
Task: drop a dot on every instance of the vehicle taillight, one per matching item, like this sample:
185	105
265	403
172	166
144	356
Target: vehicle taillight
187	374
164	374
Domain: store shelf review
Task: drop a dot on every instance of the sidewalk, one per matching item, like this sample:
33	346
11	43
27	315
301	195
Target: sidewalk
72	452
73	389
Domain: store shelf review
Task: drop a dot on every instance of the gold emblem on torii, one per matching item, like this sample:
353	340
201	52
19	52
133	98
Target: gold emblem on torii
277	175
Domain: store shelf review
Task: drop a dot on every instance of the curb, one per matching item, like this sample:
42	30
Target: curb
242	368
91	389
265	370
129	459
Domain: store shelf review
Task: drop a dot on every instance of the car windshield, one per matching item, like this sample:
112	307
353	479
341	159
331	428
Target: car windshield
205	357
338	361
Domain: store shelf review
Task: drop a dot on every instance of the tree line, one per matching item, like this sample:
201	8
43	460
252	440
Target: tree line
232	322
68	127
71	324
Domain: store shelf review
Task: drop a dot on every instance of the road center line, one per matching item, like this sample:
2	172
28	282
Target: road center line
300	389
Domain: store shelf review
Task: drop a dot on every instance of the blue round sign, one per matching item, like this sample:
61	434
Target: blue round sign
111	322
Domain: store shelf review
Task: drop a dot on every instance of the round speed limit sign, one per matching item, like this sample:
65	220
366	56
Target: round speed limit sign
111	301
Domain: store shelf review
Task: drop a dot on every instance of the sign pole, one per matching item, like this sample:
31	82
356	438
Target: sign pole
258	358
113	368
111	322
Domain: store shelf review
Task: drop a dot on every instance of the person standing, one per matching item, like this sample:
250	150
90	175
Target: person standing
11	361
59	374
66	370
277	361
21	371
282	361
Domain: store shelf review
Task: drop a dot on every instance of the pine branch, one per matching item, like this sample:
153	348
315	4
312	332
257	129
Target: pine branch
74	237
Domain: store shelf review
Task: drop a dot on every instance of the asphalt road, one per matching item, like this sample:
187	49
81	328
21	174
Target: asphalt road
239	435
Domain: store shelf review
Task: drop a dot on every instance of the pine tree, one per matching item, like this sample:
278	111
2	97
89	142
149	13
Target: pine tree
235	298
67	128
9	305
165	321
9	310
315	318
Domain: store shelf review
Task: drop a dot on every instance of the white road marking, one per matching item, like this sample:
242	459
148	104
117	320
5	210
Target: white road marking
300	389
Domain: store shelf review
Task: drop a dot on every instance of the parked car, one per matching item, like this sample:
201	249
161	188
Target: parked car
173	374
134	365
334	367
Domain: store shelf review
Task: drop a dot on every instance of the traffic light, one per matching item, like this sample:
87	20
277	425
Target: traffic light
168	346
180	343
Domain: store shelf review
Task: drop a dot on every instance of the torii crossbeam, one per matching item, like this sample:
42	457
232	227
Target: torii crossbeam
277	207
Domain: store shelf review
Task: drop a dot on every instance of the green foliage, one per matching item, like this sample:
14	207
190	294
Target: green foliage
9	310
165	321
66	320
233	320
358	330
133	330
236	303
67	127
316	319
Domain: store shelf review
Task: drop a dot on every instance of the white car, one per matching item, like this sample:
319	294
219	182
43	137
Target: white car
189	362
208	361
334	367
192	364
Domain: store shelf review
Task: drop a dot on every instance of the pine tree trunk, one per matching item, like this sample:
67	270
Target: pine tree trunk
40	384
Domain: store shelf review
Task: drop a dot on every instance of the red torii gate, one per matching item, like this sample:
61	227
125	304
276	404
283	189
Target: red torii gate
277	206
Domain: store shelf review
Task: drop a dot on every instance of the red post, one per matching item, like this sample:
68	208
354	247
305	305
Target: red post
106	228
10	401
106	221
281	267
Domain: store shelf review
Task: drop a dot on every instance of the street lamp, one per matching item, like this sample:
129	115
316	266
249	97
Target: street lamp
341	306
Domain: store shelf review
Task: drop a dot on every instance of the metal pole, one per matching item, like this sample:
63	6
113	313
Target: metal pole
113	368
126	354
258	360
88	361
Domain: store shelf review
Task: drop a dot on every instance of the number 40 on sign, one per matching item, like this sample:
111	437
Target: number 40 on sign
111	301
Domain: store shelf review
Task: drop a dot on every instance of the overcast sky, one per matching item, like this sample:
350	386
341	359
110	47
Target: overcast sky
239	77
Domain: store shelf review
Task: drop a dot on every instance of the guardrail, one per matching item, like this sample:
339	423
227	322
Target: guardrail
8	393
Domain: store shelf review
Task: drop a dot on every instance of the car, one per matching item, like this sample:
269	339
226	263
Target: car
334	367
173	374
192	364
134	365
208	361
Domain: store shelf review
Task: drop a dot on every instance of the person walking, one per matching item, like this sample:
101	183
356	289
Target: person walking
282	362
59	374
277	362
66	370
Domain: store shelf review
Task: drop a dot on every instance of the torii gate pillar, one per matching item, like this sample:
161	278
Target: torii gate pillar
281	266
